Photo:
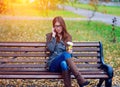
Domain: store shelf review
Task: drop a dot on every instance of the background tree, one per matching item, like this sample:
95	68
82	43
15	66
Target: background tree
73	2
6	6
94	4
3	6
45	5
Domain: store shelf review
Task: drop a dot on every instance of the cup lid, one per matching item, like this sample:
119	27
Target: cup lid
70	43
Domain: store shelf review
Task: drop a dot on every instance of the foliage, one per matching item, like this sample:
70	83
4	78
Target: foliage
3	6
94	3
36	9
39	5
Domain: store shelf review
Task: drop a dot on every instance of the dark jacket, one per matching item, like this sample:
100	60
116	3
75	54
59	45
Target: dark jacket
54	48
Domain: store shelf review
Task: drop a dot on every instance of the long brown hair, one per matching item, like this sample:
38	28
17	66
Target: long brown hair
65	35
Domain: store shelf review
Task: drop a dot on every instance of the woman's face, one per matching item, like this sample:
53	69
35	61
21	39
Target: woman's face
58	27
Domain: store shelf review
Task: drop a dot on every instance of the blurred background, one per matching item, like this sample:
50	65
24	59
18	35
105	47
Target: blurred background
86	20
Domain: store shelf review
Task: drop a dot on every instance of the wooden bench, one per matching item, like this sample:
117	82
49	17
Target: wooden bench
27	60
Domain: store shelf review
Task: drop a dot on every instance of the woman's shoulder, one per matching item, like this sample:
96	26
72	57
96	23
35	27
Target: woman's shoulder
48	34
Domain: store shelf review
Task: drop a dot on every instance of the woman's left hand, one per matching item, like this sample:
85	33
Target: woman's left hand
69	50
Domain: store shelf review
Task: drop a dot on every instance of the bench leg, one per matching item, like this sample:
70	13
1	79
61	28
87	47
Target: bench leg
100	82
109	70
108	82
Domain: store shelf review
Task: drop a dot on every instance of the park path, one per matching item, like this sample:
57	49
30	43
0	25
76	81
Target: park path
87	13
97	16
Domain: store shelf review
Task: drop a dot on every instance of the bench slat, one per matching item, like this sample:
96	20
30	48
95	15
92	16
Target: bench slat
23	54
86	44
43	49
44	60
86	55
86	60
44	69
43	65
32	44
85	49
22	44
23	70
48	73
45	55
48	76
23	61
22	65
9	49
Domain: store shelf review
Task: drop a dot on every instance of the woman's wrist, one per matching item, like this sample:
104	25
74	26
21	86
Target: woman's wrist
53	35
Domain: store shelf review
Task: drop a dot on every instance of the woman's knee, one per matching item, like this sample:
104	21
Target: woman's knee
67	55
64	66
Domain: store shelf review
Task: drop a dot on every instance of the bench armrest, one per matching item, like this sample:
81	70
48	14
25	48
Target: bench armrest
104	66
108	69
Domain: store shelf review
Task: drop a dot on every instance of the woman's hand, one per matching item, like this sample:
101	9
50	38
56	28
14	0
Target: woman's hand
70	47
53	32
70	51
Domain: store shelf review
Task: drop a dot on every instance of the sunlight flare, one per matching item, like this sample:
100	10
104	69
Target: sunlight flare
31	1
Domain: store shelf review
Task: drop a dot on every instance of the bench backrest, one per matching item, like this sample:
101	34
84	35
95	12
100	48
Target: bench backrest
32	56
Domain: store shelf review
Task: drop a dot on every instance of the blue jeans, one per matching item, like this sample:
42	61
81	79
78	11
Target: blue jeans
59	64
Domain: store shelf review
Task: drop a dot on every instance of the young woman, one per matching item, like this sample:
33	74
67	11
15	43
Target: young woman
60	59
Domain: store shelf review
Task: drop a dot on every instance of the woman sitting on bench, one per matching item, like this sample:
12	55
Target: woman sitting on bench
60	59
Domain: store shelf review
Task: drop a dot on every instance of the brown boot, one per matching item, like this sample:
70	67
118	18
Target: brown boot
67	78
81	81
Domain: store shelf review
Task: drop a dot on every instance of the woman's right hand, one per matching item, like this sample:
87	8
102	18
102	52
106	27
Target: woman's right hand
53	32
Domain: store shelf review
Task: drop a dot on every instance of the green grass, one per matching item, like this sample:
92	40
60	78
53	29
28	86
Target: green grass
18	29
113	10
98	31
35	30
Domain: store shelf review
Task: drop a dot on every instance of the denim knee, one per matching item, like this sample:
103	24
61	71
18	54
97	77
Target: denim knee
64	66
67	55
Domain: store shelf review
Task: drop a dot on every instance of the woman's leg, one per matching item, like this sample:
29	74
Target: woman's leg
56	63
80	79
67	57
59	65
66	74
